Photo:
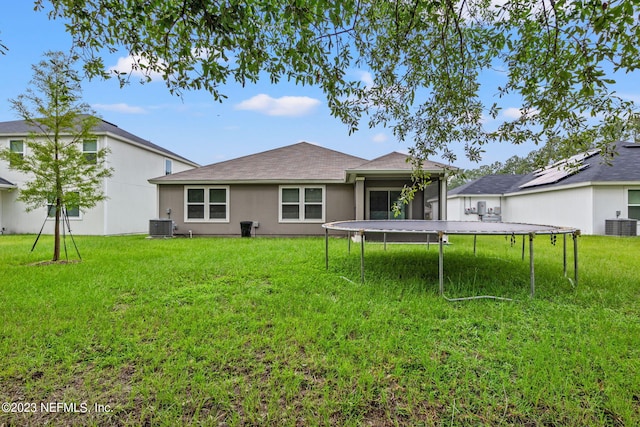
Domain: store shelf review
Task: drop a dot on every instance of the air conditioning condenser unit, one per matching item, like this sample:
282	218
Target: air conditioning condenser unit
621	227
161	228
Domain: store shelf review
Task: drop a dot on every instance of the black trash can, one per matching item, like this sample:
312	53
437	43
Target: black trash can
245	228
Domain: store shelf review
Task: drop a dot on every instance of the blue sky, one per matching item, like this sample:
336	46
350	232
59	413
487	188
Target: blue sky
252	119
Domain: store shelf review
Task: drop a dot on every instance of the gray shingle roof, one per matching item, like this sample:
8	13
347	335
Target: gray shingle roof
490	184
396	162
624	167
298	162
6	184
20	127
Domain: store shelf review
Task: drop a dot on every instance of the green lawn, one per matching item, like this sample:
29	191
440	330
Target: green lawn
257	332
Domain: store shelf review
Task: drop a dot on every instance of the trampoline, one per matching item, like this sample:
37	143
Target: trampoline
444	228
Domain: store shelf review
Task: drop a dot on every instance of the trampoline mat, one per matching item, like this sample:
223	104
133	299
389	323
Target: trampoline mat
447	227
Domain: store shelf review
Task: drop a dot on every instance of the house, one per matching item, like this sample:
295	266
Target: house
489	191
583	192
293	190
131	201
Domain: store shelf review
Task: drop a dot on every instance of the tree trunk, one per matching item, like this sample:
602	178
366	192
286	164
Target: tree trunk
56	232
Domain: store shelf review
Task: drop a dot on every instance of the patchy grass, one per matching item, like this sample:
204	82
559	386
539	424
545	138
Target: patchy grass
257	332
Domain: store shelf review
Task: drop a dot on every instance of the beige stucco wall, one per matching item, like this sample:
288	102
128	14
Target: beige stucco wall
258	203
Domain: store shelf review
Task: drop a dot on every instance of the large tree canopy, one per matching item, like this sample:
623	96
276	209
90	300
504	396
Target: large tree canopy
430	61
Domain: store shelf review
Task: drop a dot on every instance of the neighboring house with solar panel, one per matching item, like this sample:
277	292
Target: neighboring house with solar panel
293	190
582	192
131	201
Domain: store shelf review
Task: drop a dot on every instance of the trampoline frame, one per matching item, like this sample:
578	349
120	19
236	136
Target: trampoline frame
443	228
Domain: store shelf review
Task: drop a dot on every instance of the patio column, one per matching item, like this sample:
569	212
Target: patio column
360	199
442	198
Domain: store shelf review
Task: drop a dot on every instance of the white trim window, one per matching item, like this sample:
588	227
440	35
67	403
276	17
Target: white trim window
302	203
73	212
168	167
634	204
90	150
206	204
16	146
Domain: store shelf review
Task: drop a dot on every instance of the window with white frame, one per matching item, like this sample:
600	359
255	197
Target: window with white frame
634	204
168	167
302	204
209	204
72	211
90	150
17	148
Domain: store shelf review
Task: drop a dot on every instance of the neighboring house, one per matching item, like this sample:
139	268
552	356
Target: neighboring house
131	202
489	191
583	196
293	190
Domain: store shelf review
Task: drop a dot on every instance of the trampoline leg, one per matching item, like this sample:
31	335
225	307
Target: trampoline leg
326	248
474	243
575	256
362	256
384	236
531	267
441	264
564	254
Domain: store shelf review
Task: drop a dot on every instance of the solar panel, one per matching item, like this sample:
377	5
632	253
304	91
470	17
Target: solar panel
560	170
553	175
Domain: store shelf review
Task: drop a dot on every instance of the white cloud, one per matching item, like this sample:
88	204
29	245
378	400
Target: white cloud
291	106
380	138
130	63
516	113
366	78
512	113
201	53
120	108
